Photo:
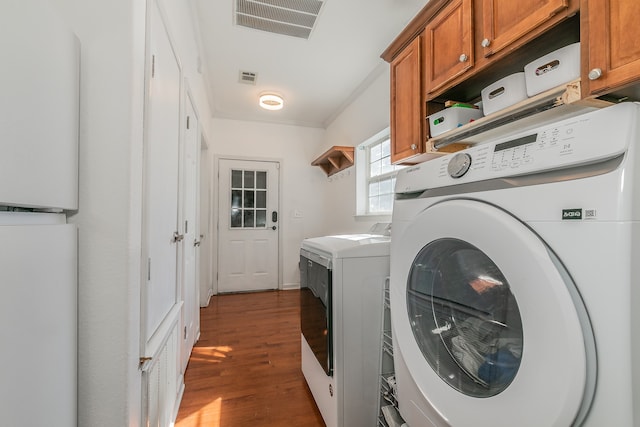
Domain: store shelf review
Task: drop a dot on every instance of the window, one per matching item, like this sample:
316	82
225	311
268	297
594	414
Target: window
248	199
376	176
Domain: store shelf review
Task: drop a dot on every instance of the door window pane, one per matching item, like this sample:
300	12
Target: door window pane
248	205
261	180
249	197
236	179
249	219
236	218
236	198
261	199
464	317
261	218
249	179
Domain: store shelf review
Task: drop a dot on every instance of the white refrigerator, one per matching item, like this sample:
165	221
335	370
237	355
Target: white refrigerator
39	111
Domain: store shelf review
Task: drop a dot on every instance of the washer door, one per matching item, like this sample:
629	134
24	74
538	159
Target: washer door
489	323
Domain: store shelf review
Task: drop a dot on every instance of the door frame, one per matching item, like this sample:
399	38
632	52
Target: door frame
206	218
216	210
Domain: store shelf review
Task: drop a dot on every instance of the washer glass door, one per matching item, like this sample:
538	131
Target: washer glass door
464	317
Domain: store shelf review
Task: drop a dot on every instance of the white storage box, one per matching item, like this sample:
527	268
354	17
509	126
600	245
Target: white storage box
558	67
451	118
503	93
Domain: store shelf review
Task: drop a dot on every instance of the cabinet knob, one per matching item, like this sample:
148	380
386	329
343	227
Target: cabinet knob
595	74
463	58
486	43
414	146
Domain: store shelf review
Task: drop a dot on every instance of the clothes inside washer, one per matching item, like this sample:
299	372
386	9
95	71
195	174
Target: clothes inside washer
499	367
488	359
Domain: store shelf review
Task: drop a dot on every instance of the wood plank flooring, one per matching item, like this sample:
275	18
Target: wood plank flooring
245	369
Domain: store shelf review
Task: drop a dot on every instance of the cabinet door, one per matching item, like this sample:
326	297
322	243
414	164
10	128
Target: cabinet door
449	44
505	21
614	51
407	106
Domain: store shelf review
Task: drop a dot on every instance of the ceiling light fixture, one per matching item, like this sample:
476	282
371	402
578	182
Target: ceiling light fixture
271	101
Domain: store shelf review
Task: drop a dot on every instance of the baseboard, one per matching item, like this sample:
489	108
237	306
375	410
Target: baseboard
209	295
176	406
290	286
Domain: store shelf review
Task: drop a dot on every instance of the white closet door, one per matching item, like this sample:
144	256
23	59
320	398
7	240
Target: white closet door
190	307
161	178
38	324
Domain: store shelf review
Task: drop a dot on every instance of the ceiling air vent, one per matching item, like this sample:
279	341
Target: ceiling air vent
294	18
247	77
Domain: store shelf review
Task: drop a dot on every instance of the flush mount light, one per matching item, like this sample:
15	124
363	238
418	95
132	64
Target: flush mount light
271	101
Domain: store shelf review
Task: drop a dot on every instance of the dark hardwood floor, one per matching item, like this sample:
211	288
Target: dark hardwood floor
245	369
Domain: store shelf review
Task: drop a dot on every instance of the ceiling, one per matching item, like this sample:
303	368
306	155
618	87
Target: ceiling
317	77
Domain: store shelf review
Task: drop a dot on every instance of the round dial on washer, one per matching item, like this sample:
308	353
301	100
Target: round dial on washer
459	165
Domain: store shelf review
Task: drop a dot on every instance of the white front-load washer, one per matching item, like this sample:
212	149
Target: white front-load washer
515	293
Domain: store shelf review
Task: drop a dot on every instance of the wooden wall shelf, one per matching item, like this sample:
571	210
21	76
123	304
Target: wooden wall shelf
335	159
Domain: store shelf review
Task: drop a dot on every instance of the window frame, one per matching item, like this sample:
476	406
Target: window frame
363	178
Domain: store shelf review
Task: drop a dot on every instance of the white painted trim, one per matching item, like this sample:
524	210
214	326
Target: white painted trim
158	340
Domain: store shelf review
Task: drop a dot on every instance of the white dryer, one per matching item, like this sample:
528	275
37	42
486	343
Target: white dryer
515	297
342	282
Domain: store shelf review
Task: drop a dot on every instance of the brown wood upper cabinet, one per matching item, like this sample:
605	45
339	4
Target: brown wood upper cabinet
448	44
504	21
613	49
407	103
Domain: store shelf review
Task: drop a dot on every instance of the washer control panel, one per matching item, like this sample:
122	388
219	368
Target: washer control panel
584	139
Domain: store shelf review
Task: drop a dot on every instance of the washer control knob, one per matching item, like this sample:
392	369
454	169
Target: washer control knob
459	165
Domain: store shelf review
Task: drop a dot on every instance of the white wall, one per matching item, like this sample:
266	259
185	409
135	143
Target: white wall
367	115
112	37
108	219
301	184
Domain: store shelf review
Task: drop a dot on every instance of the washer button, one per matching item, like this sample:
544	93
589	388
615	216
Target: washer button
459	165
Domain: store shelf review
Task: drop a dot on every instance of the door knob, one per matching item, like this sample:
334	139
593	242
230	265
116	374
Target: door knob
463	58
486	43
274	227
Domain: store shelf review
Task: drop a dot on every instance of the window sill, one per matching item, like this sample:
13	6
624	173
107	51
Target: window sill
379	217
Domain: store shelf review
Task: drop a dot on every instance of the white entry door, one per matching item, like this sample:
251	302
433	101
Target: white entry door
248	222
